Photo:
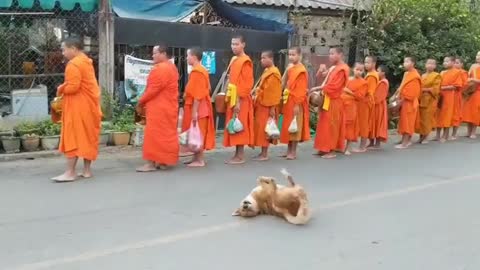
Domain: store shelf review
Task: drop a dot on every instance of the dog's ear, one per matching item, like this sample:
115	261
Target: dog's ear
236	213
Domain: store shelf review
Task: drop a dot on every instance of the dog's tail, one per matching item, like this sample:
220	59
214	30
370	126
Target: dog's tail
304	212
288	176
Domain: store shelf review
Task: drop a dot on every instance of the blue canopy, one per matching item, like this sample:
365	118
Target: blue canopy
158	10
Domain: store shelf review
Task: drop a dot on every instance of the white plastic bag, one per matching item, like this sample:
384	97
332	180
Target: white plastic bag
271	129
293	128
237	125
183	138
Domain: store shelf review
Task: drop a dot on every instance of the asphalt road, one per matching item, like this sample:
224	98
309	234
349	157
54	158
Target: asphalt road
389	210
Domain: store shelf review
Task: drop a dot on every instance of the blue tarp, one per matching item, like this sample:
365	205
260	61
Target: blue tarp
236	16
266	13
157	10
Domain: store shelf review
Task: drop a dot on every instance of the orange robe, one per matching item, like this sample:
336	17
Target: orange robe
372	80
297	87
161	108
410	90
81	113
381	114
458	104
428	103
240	85
198	88
451	77
471	109
359	88
268	95
330	133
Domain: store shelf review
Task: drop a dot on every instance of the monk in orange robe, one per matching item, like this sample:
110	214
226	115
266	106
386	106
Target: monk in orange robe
451	82
198	105
330	134
381	114
471	110
431	82
239	101
295	104
160	100
81	113
372	80
354	92
409	92
267	97
457	108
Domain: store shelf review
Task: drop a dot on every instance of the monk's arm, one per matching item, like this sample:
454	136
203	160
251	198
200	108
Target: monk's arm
372	85
301	87
198	81
247	81
336	83
73	79
272	91
436	86
381	93
410	91
154	86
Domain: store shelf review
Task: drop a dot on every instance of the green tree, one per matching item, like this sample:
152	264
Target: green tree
394	29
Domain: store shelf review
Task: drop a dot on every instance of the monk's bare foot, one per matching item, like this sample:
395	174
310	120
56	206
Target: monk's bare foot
162	167
359	150
261	158
424	142
291	157
147	168
472	136
453	138
347	153
65	178
283	155
235	161
85	175
196	164
436	139
402	146
318	153
188	162
329	156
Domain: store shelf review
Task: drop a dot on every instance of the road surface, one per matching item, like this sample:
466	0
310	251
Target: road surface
386	210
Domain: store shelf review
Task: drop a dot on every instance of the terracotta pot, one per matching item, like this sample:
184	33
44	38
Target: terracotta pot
121	138
50	142
220	105
103	139
30	144
11	144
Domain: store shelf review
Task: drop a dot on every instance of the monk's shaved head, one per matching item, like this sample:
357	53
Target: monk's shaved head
296	49
239	37
383	69
268	53
73	42
430	65
337	49
196	52
160	53
372	58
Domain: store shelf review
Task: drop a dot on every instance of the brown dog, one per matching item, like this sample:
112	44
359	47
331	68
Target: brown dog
270	198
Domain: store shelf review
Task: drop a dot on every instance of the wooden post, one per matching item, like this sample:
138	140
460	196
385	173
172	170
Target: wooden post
106	61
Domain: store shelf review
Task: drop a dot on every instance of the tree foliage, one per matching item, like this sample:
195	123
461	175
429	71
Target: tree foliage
420	28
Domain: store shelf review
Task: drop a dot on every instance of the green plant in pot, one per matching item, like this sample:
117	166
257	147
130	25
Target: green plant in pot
10	142
123	124
50	134
29	135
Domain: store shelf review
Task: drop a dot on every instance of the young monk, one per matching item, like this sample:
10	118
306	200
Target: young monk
451	82
267	98
330	135
431	82
198	105
372	80
458	104
160	100
380	112
81	114
354	92
410	90
239	101
295	104
471	110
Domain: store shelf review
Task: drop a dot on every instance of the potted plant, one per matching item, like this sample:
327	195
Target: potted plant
29	135
105	133
10	143
122	132
123	125
50	135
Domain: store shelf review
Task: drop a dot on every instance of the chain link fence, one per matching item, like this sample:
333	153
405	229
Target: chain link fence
31	61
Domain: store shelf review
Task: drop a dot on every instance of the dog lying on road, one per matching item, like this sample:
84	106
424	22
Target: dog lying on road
269	198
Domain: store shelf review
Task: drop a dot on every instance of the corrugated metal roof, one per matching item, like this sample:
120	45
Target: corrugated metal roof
312	4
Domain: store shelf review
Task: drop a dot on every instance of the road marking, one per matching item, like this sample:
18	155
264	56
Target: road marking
91	255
